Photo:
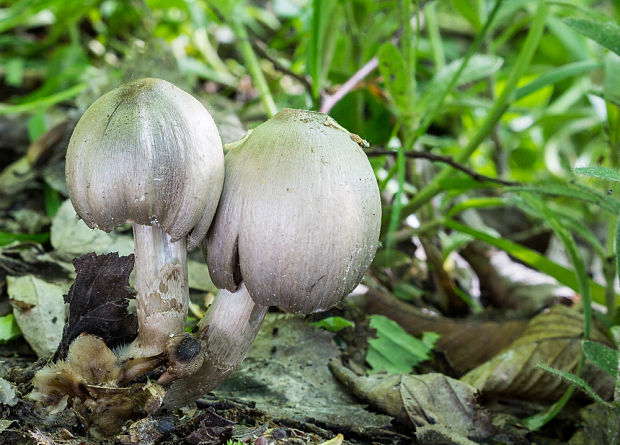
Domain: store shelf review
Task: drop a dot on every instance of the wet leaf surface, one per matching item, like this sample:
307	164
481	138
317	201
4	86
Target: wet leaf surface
98	301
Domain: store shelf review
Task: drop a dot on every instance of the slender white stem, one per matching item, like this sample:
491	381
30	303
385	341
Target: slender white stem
162	298
330	101
226	334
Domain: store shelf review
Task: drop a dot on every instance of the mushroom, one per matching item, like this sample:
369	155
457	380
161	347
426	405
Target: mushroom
299	217
297	226
149	153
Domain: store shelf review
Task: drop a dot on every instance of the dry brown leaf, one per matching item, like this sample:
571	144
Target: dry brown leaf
431	403
552	338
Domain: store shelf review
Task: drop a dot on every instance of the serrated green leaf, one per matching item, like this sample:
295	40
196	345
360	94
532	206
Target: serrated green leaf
332	324
576	381
606	34
9	329
602	356
394	350
599	172
392	68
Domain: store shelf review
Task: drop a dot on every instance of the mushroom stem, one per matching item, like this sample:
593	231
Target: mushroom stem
162	298
226	333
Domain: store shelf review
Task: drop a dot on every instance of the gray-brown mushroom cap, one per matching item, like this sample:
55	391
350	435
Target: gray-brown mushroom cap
299	216
149	153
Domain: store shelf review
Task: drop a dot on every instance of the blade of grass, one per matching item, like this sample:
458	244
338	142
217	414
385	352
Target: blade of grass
253	65
568	241
556	75
397	206
499	107
533	259
7	237
430	114
44	102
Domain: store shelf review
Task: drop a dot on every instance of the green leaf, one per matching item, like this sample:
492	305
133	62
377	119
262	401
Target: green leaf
47	101
386	258
14	72
576	191
612	79
479	67
556	75
602	356
407	291
394	73
618	249
8	328
52	199
394	350
475	203
576	381
532	259
599	172
606	34
8	238
332	324
36	125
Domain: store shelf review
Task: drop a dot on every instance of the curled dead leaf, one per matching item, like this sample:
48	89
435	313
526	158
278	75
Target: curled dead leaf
427	402
552	338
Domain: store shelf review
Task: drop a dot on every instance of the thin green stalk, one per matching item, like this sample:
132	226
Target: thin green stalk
430	114
315	51
396	208
253	65
434	37
610	269
540	419
499	107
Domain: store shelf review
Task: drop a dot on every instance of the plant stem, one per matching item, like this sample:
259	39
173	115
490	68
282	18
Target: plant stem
162	298
434	36
610	269
253	65
499	107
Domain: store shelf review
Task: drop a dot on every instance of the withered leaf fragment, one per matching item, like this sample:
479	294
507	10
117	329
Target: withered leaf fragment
440	409
552	338
98	301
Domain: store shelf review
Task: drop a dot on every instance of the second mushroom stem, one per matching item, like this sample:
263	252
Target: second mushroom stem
162	298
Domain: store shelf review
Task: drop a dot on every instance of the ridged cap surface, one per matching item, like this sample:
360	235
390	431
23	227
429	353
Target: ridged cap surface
146	152
299	217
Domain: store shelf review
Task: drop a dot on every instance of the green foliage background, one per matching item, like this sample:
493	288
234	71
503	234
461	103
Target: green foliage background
525	91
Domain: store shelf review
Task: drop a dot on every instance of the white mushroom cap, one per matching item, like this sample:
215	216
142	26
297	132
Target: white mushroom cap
149	153
299	217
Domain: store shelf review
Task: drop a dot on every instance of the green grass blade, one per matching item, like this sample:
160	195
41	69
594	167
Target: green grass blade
533	259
